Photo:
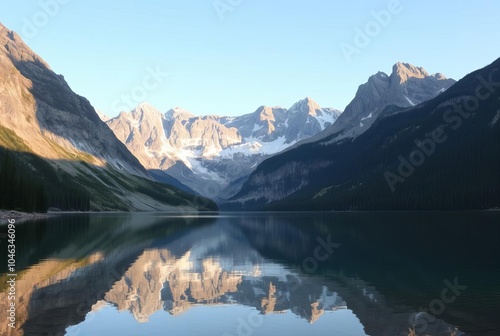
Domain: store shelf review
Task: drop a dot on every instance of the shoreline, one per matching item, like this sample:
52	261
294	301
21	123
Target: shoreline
19	215
5	215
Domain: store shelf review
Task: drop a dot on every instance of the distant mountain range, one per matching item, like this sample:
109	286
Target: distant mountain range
212	155
215	155
56	152
394	149
407	141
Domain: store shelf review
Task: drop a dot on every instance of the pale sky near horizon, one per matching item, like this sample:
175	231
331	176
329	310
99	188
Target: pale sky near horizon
255	53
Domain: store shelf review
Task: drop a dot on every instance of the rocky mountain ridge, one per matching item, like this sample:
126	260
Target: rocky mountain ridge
404	160
213	154
58	140
406	87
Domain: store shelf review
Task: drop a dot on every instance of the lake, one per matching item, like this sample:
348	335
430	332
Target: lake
257	274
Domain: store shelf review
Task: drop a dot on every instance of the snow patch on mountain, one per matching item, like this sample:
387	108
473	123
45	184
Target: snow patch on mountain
253	146
495	119
325	120
409	101
367	117
216	149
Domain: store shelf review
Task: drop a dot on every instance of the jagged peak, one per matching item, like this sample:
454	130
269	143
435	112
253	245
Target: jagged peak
145	106
404	71
265	109
306	105
265	113
309	101
145	109
177	112
381	74
439	76
6	31
15	48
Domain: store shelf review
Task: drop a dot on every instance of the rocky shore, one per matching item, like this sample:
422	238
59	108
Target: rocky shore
11	214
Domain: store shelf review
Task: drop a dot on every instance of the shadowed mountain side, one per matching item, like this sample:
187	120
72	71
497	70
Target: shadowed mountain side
441	154
28	181
88	167
163	177
42	109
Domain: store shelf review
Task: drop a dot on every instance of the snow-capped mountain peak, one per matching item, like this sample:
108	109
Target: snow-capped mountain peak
201	150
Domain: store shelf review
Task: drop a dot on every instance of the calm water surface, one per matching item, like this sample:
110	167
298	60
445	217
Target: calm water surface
257	274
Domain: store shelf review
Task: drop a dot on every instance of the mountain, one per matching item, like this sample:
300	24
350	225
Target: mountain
440	154
55	150
102	116
213	155
406	86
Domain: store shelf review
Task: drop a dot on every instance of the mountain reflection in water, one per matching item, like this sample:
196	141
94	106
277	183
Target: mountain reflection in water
349	274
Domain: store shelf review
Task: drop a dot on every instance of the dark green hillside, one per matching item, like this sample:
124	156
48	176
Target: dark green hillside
30	183
462	171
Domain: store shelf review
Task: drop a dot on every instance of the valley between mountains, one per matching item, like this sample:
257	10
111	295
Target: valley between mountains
57	152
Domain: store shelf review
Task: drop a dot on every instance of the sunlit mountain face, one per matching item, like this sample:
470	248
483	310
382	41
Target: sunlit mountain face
302	274
55	152
216	150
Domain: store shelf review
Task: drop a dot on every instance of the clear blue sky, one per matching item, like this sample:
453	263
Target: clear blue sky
262	52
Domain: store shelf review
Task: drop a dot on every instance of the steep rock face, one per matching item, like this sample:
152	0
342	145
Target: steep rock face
211	154
142	131
387	166
206	135
303	120
406	87
41	108
265	123
59	135
307	119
